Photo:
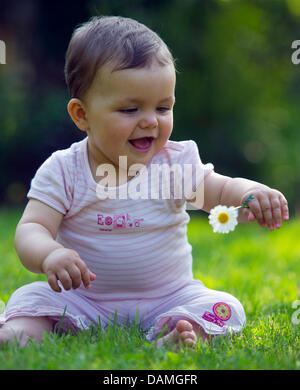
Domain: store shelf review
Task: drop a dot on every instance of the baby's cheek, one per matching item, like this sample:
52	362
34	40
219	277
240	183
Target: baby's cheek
165	135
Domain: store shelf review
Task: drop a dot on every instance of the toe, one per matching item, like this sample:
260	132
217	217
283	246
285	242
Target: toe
188	335
189	342
184	326
169	338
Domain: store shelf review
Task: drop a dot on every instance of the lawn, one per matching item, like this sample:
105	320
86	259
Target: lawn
259	267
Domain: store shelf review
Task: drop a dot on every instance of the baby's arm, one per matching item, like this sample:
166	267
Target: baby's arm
268	207
40	253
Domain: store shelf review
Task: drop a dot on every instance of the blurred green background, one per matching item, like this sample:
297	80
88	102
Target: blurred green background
237	96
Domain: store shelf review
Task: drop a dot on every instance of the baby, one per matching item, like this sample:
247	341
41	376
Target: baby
128	256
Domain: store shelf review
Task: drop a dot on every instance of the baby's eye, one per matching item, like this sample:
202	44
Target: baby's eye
134	109
128	110
163	109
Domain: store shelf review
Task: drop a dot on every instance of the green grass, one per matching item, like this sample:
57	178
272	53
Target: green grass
259	267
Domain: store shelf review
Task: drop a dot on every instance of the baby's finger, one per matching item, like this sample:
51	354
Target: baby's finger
255	209
85	273
64	277
52	280
276	210
75	275
266	209
284	207
251	217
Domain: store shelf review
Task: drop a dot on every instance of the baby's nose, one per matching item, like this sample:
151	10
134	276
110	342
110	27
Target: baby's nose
149	121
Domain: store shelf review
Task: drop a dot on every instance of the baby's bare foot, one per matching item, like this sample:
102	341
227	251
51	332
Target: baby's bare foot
182	333
8	335
14	334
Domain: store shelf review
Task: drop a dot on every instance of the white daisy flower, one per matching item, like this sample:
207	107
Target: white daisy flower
223	219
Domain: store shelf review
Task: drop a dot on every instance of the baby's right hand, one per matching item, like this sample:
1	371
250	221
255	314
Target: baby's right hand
65	265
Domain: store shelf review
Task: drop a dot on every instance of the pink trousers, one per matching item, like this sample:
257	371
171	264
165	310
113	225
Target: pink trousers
217	312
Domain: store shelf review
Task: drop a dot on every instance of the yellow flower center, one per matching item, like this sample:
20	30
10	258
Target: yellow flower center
223	217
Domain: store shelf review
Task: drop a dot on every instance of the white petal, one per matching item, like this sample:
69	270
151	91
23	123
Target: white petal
223	227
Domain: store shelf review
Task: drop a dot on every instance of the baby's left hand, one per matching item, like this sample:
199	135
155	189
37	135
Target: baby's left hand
268	207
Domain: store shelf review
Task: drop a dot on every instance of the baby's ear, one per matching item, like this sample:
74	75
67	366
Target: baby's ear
77	113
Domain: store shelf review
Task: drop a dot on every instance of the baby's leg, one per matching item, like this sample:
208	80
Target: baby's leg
196	312
23	328
185	332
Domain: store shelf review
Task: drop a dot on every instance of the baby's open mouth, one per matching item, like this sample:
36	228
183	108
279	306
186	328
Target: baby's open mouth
142	144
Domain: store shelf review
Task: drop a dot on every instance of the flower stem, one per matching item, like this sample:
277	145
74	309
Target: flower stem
244	205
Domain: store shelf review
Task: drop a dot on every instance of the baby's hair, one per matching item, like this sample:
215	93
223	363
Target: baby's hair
122	42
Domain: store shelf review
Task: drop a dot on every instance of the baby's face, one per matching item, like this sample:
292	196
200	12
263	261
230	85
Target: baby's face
130	113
